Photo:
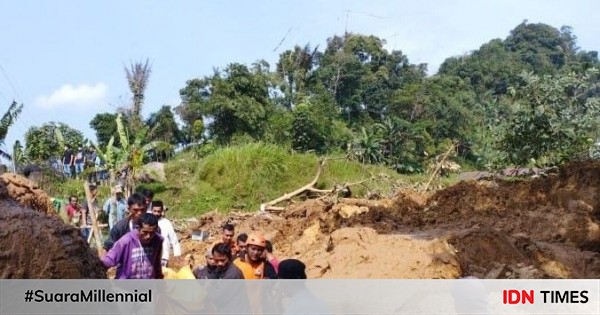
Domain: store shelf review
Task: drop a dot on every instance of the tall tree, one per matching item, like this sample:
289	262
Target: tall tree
163	126
235	101
554	119
6	121
105	125
294	69
41	142
137	79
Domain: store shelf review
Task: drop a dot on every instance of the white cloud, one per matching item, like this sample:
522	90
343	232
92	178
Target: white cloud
80	96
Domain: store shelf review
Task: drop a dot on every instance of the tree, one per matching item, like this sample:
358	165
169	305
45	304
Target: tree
128	156
293	69
362	75
41	143
308	133
18	155
6	121
163	126
137	79
554	119
105	125
236	102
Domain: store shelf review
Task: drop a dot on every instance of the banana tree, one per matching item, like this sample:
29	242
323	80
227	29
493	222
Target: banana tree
130	155
5	122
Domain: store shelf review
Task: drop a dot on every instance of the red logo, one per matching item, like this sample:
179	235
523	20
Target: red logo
516	297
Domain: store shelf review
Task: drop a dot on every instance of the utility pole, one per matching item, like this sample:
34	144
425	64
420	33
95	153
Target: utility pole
347	18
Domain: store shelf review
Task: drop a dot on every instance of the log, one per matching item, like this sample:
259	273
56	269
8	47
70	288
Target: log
438	166
92	210
270	205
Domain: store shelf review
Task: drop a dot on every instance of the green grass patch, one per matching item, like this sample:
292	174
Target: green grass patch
243	177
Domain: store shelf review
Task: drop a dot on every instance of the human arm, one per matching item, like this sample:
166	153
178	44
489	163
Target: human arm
114	255
114	235
106	206
158	274
174	241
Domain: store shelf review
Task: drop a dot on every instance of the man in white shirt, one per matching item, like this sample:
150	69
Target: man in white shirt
167	232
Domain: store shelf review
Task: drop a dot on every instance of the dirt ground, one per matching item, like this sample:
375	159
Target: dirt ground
34	242
541	228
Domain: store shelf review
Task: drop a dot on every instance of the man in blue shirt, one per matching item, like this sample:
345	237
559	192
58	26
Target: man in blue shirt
115	207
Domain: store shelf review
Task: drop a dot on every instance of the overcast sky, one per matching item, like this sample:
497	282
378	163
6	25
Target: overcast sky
64	59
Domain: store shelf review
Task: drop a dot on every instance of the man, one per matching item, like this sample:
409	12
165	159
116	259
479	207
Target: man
90	163
253	266
148	197
227	238
241	244
137	254
79	160
73	210
222	258
115	207
86	215
136	207
301	301
208	271
268	255
167	232
67	161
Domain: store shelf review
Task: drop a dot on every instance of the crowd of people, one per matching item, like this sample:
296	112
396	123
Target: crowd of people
141	241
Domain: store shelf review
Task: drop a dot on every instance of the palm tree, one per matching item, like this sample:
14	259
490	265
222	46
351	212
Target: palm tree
137	78
5	122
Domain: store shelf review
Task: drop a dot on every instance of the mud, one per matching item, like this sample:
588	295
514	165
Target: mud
25	192
34	242
548	227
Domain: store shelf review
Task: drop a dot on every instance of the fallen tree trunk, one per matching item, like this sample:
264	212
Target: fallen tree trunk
269	206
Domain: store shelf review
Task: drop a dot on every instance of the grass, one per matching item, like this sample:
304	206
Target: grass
243	177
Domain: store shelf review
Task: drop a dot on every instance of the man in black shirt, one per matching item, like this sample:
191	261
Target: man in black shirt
136	205
67	161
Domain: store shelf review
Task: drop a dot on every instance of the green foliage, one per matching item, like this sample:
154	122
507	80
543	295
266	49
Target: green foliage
237	101
41	143
163	126
309	132
243	177
105	125
6	121
205	149
554	119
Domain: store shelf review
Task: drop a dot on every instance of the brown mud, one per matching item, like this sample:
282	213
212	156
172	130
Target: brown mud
546	227
34	241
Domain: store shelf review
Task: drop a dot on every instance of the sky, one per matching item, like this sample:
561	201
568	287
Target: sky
64	59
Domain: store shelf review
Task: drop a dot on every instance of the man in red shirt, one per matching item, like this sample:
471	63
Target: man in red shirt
73	210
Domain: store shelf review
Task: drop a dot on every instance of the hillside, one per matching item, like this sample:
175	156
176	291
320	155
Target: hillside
243	177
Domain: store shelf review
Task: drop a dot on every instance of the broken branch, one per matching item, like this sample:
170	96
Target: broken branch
269	205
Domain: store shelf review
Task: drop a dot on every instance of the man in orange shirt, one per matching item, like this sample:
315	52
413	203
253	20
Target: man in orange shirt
227	238
253	266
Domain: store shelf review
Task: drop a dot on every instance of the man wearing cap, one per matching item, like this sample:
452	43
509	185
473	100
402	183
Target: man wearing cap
253	266
115	207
